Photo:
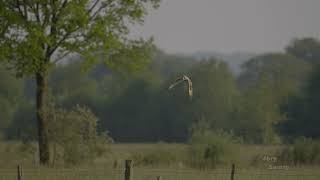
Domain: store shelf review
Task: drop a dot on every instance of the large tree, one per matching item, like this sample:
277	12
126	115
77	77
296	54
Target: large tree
307	49
216	95
37	34
302	110
267	83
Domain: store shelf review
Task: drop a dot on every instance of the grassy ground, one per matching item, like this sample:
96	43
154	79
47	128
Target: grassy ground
152	160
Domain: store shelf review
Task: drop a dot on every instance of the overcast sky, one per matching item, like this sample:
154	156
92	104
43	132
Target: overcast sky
186	26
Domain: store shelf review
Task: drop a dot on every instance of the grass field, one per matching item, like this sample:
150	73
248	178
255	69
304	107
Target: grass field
151	161
149	174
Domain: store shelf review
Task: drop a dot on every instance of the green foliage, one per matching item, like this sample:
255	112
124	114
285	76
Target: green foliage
70	86
11	88
215	93
212	148
6	114
302	110
303	152
154	113
276	95
267	84
11	92
285	72
37	33
73	135
23	125
139	101
257	114
307	49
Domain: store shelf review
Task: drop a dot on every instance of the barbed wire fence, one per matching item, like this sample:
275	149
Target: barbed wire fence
128	172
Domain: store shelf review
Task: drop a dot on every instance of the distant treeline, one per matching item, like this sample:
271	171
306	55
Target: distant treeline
275	98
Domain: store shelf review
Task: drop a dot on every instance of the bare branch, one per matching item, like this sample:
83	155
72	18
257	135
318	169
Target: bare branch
25	9
17	5
37	12
64	4
3	30
66	36
61	57
98	11
60	9
46	14
93	6
55	17
56	14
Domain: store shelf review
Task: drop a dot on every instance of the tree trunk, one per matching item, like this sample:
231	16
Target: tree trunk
42	90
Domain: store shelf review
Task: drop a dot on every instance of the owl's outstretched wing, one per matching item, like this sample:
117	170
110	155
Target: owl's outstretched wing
182	79
178	81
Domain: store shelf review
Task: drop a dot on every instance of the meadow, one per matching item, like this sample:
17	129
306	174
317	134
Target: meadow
155	161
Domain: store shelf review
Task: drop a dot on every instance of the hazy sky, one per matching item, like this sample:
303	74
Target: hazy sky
185	26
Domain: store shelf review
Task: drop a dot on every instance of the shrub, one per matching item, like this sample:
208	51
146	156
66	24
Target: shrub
211	148
304	151
73	135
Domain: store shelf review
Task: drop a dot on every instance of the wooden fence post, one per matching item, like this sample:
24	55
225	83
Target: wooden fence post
233	171
19	172
128	170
